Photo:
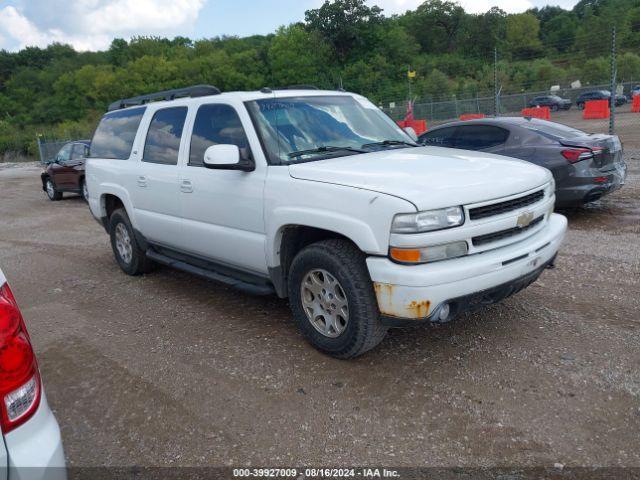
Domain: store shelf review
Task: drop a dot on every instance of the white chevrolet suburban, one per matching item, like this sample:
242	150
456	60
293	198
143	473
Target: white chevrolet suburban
319	197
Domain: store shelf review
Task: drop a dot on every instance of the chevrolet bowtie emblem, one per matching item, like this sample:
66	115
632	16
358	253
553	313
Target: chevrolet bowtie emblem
525	219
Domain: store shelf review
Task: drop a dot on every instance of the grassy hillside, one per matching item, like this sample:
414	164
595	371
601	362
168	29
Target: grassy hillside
61	92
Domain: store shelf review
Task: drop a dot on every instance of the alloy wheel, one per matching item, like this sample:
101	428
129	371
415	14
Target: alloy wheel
325	303
123	243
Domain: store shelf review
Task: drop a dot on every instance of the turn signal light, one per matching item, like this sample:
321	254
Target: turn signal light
405	255
434	253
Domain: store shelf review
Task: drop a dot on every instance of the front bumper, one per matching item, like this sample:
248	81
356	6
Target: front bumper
410	294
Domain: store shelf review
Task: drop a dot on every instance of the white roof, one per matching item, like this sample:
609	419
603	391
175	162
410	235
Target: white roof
248	96
258	95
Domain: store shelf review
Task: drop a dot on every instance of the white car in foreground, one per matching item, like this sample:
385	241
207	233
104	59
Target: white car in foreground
32	447
320	197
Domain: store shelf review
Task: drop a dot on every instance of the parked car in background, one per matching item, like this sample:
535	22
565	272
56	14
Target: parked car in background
584	166
598	95
65	172
554	102
320	197
32	447
635	91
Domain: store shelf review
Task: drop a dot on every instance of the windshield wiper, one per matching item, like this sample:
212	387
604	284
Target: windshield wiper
388	143
325	149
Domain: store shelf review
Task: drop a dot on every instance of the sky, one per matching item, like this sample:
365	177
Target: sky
93	24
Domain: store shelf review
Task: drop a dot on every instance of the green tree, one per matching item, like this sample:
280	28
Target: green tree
298	56
344	24
522	35
436	25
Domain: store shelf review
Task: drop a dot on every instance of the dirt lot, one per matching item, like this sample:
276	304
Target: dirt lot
170	369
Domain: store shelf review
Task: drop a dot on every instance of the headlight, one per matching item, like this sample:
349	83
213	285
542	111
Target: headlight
429	254
551	187
427	221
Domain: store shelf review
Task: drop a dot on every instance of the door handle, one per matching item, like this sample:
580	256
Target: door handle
142	181
186	186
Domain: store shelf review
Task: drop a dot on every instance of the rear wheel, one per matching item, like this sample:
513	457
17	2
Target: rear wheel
332	299
53	194
131	258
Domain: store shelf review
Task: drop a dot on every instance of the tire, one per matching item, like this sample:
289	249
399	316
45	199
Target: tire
580	105
343	262
53	194
131	258
84	193
554	108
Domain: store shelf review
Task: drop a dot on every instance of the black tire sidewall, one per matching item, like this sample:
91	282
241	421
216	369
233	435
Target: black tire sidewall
357	288
132	268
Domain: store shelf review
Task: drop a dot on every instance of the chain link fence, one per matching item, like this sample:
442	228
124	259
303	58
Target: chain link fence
49	145
623	116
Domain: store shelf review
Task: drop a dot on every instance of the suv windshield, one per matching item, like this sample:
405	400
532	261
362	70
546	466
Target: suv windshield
309	128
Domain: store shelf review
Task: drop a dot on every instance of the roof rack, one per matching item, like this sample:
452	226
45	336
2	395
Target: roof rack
194	91
289	87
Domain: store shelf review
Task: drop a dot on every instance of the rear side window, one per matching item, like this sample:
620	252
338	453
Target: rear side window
439	138
163	138
115	134
216	124
478	137
554	131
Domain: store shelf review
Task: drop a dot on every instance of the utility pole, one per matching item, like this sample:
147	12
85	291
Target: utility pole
496	102
614	86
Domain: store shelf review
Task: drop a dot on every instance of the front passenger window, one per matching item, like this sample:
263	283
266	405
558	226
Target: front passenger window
64	154
78	151
438	138
217	124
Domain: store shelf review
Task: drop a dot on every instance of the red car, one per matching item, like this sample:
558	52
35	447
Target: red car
65	173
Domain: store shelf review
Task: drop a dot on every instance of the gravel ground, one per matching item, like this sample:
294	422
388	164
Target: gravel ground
169	369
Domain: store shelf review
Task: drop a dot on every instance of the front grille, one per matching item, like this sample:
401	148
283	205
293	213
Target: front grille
504	207
510	232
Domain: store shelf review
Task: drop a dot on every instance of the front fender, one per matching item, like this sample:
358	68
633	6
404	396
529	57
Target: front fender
360	215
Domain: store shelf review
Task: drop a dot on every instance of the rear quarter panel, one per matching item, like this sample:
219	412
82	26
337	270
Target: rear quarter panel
107	177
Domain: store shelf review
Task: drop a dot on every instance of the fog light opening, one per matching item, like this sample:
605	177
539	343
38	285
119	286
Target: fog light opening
444	312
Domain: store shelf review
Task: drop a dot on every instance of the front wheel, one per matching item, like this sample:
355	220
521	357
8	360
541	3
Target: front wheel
581	106
332	299
131	258
53	194
554	108
84	191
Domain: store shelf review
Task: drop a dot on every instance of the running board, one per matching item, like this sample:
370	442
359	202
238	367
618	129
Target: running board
252	288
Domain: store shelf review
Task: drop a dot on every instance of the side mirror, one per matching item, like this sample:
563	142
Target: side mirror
226	157
412	133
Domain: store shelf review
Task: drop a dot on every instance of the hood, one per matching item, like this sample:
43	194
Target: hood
428	177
